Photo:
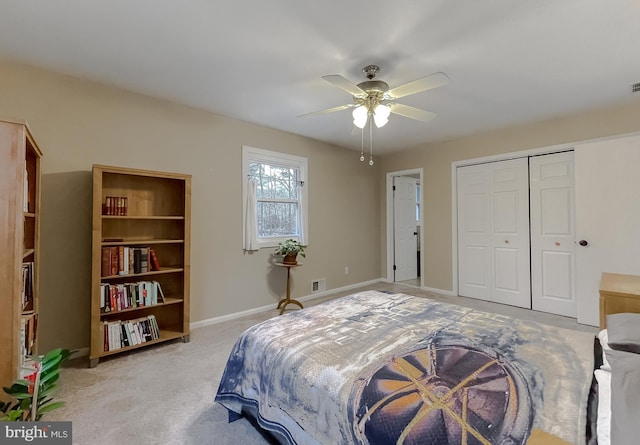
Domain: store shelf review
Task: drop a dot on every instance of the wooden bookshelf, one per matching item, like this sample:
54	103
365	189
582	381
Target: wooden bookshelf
158	215
20	241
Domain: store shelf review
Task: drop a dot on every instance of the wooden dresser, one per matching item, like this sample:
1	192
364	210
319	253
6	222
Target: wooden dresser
618	293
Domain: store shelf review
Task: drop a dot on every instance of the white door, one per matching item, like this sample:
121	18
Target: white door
405	229
493	232
510	232
551	184
607	217
474	231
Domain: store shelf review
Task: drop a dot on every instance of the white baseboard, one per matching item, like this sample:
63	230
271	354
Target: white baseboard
257	310
449	293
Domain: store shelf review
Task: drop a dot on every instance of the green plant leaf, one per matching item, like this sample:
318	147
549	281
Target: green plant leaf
54	362
49	378
13	415
44	392
50	407
54	353
25	404
17	387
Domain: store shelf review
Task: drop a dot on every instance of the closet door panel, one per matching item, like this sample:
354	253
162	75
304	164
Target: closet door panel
493	232
474	232
510	232
553	233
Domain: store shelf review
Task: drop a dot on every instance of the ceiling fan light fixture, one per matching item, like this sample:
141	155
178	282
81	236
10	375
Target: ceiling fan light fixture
360	115
381	115
369	95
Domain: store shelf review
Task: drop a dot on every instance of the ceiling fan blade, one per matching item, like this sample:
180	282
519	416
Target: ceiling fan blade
411	112
329	110
345	84
426	83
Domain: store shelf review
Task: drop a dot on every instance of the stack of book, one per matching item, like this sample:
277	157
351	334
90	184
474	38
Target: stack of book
117	297
121	334
125	260
115	205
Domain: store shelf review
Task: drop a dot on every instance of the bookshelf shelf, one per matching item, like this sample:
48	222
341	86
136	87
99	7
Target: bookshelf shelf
163	270
20	253
165	335
142	242
168	301
158	207
178	218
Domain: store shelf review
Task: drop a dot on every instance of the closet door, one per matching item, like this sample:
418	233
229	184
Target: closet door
553	233
510	232
474	231
493	232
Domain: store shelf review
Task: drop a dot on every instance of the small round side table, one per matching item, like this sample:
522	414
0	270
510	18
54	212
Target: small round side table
287	300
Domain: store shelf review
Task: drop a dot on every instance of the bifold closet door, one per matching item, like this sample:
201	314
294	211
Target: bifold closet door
493	232
553	233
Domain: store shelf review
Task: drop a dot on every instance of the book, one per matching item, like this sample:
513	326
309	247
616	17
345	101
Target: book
105	267
144	260
108	206
123	335
132	333
155	264
25	203
137	255
159	293
114	260
105	336
130	257
120	260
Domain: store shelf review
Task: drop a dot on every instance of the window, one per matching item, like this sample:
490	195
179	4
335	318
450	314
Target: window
281	195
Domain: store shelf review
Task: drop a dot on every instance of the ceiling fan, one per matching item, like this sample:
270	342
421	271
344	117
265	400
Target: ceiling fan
373	98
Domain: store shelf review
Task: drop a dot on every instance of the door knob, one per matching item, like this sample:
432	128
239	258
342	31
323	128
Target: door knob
415	233
583	242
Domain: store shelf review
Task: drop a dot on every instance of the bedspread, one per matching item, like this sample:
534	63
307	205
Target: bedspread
378	368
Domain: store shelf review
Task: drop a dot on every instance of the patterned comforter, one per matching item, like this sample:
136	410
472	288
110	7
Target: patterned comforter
377	368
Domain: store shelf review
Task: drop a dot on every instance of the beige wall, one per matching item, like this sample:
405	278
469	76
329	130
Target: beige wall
79	123
436	161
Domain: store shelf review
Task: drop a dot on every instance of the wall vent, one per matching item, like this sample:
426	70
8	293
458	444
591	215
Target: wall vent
319	285
635	87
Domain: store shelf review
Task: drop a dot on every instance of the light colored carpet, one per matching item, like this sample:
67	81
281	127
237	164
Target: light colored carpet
164	394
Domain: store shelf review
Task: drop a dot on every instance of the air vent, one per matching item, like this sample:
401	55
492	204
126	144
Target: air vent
635	87
319	285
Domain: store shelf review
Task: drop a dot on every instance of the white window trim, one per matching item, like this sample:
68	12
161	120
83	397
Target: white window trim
250	154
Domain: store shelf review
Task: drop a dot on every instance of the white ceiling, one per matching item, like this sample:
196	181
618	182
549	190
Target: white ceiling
509	61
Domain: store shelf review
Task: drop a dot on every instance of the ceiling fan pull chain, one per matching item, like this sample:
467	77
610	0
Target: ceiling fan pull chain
370	142
362	145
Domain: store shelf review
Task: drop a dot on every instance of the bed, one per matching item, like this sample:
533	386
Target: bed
617	373
379	368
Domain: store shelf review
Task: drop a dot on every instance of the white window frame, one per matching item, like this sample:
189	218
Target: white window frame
252	154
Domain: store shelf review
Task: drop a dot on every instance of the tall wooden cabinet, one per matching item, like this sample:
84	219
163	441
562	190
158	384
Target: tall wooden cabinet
19	252
139	211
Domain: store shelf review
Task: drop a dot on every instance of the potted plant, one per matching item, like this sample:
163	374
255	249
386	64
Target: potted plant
289	251
32	396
